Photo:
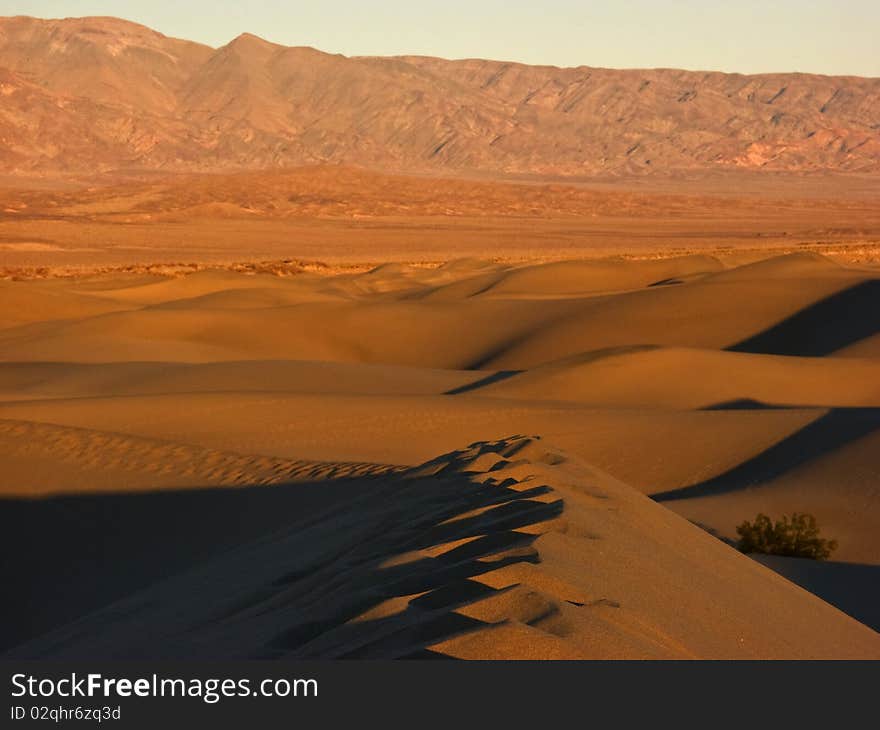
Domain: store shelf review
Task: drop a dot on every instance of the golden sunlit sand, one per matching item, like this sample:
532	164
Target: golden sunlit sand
267	446
308	355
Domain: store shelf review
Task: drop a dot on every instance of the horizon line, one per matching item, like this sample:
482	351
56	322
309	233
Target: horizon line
442	58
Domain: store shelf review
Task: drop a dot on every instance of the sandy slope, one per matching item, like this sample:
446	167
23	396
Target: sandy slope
505	549
718	391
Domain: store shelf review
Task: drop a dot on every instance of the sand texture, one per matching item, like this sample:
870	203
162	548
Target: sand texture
474	460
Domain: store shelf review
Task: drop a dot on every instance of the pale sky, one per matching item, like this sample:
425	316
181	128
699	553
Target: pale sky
749	36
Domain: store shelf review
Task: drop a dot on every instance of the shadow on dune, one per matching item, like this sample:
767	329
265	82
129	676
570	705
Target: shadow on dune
852	587
824	327
829	432
749	404
714	533
488	380
66	556
262	572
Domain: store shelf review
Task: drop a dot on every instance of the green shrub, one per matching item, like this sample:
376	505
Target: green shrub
797	537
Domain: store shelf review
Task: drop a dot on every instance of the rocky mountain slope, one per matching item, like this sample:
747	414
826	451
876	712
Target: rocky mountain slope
89	94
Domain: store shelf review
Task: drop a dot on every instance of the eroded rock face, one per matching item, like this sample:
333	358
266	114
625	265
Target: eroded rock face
89	94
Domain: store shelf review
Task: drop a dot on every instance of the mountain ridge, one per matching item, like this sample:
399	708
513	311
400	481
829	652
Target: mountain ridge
99	94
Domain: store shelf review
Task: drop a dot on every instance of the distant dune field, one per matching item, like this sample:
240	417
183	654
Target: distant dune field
473	459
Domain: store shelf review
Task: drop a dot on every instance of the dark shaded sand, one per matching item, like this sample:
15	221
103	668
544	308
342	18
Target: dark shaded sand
853	588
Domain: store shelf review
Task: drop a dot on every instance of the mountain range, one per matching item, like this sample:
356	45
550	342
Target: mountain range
85	95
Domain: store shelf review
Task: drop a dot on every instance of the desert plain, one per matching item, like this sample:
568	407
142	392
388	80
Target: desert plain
330	411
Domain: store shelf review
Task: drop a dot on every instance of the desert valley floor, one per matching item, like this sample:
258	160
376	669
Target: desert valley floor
478	459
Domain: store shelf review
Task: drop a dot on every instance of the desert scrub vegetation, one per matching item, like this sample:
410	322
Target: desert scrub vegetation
797	537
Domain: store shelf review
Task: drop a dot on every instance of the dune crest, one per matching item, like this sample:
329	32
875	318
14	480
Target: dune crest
506	549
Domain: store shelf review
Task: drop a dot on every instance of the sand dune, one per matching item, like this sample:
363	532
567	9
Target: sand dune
831	473
663	377
64	457
504	549
502	333
684	386
245	343
851	587
28	381
573	278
